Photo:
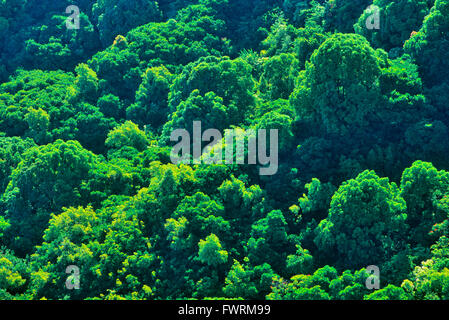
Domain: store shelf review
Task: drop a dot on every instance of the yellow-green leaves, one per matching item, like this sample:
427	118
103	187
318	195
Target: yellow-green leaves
210	251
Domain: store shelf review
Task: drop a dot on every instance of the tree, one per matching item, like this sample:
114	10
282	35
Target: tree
340	85
426	141
243	281
340	15
284	38
210	251
398	20
248	17
278	78
229	79
92	127
269	242
196	217
304	287
390	292
274	120
36	90
238	282
11	154
35	35
299	263
127	134
87	183
195	33
151	106
107	246
54	45
422	185
48	178
14	274
114	17
111	106
38	122
366	222
208	109
86	83
430	41
350	285
69	240
430	280
318	198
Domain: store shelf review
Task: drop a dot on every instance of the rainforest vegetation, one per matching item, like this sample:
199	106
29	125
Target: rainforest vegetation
87	182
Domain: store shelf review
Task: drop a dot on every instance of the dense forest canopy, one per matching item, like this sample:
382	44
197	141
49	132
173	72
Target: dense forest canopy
93	207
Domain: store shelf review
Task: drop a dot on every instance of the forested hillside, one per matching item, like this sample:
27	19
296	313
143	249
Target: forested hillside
92	205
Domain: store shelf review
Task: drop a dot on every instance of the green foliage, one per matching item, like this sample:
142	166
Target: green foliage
209	109
38	123
340	15
248	283
127	135
339	92
34	35
11	154
173	43
304	287
279	74
151	105
35	89
388	293
86	83
64	101
429	280
14	274
302	42
422	185
431	40
86	179
47	179
269	242
365	222
398	19
114	17
196	217
318	198
210	251
229	79
300	263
